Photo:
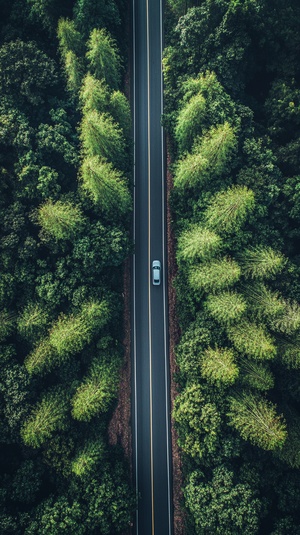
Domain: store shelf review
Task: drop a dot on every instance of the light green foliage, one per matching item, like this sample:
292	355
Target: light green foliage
69	334
226	306
191	171
223	505
266	303
48	416
218	366
41	358
120	110
102	137
229	209
103	57
97	390
70	39
189	122
219	106
215	275
256	374
217	147
105	185
74	71
256	420
289	321
209	157
261	262
94	95
32	320
88	458
197	243
198	422
252	339
60	220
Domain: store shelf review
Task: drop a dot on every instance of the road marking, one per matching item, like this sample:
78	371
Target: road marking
149	264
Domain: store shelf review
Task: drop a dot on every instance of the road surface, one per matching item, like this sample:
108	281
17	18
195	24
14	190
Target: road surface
151	406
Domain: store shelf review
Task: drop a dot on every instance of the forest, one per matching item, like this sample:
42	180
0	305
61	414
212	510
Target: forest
232	117
65	209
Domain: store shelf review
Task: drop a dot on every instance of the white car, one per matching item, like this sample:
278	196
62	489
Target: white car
156	272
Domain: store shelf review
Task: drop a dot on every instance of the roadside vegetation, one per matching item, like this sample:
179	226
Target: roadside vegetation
232	114
65	209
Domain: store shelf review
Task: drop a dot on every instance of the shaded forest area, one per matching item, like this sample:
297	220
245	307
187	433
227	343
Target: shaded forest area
65	210
232	113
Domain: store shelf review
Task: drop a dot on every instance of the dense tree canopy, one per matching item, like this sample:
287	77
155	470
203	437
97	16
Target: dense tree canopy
65	234
231	72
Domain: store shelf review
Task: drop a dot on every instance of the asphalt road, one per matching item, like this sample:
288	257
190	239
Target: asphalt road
151	426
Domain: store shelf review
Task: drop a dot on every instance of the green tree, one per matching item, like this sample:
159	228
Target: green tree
229	209
71	333
196	243
105	185
102	137
256	374
97	391
120	110
48	416
196	338
60	220
61	515
217	147
289	320
256	420
266	304
252	339
189	122
69	38
226	307
224	505
198	422
88	457
74	71
26	72
32	321
261	262
94	95
191	170
215	275
218	366
68	335
103	57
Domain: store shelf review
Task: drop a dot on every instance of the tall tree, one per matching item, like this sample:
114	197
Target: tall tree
103	58
256	420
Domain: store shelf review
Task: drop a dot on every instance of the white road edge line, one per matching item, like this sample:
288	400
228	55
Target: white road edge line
134	269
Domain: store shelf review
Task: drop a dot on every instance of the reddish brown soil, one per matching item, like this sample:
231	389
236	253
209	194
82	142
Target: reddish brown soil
174	334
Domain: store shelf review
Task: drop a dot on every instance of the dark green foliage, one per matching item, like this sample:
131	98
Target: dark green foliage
223	504
199	422
61	275
231	73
